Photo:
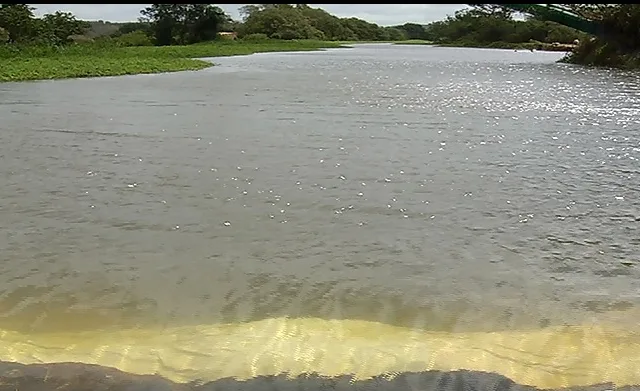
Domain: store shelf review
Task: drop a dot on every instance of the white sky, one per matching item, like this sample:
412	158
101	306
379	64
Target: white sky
382	14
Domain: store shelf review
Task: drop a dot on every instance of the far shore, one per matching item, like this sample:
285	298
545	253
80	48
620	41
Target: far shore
91	60
541	46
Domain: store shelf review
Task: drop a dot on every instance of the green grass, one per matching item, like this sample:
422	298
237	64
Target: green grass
413	42
406	42
96	59
505	45
492	45
20	69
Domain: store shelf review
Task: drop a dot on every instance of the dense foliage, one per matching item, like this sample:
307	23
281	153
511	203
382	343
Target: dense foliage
618	44
183	23
179	24
482	25
486	26
299	21
18	25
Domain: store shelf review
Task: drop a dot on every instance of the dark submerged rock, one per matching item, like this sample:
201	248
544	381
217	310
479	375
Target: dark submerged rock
87	377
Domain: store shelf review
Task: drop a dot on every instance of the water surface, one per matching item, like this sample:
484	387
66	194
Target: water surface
369	210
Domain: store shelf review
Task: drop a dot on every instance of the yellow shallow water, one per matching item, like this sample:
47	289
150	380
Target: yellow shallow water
549	357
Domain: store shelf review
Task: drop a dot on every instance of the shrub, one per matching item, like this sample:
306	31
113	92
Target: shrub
134	38
259	37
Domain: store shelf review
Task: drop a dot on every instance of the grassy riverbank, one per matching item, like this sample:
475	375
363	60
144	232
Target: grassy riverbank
508	45
93	59
405	42
413	42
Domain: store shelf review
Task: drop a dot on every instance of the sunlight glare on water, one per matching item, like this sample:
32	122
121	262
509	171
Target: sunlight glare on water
372	210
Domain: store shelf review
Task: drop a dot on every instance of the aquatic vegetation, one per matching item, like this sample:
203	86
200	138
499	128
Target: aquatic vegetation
94	59
86	66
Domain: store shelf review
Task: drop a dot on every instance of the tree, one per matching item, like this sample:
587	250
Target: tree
56	28
183	23
493	10
300	21
18	21
413	30
330	25
230	25
396	34
248	10
621	26
203	22
280	21
364	31
163	19
593	11
132	27
474	28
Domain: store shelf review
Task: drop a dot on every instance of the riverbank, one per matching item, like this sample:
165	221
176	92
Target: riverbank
542	46
413	42
405	42
602	54
94	60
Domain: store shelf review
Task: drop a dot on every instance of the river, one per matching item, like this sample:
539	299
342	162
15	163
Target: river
371	210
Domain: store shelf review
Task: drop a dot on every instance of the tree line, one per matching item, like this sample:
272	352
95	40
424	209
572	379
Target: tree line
168	24
487	24
182	24
618	41
19	25
300	21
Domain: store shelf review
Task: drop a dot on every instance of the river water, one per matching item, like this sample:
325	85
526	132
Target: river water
371	210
